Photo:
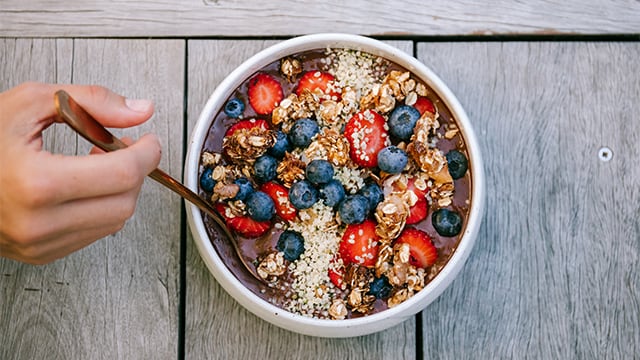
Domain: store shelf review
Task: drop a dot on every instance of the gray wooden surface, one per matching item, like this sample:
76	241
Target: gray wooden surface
123	18
118	298
555	270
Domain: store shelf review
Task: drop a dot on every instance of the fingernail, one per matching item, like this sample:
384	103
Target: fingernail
139	105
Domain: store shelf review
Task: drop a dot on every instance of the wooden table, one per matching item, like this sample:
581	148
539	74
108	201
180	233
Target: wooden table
555	272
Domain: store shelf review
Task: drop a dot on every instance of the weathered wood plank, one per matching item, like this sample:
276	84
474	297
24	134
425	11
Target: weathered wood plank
554	274
118	297
216	326
123	18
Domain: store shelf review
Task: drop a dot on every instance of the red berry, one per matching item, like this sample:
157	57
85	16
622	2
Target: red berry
265	93
280	196
423	252
424	104
243	225
312	80
366	135
359	244
246	125
417	212
336	275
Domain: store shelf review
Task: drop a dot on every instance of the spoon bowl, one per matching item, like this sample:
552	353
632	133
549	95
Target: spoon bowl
71	113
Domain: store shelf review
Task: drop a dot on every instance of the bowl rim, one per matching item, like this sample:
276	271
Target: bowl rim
280	316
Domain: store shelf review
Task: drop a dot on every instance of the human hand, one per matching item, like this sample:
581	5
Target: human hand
52	205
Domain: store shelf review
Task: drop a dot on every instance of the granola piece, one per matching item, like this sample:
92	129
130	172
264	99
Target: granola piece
223	191
421	89
329	145
358	279
399	296
386	100
245	145
416	278
290	169
290	67
272	266
338	309
329	112
391	215
360	300
210	159
397	275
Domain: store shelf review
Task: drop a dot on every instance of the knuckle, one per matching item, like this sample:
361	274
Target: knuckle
128	174
98	93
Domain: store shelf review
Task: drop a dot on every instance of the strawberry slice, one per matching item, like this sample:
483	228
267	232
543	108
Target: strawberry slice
423	252
265	93
312	80
243	225
359	244
280	196
424	104
336	275
417	212
366	135
246	125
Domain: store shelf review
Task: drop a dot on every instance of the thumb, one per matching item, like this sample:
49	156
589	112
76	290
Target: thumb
109	108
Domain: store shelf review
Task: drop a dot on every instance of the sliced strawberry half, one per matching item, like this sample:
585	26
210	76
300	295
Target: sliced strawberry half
312	80
246	125
366	135
243	225
359	244
417	212
423	104
336	275
265	93
280	196
422	251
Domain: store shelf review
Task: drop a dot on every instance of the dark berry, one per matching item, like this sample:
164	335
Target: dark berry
281	146
265	168
302	194
291	244
260	206
245	188
302	132
373	193
234	108
380	287
319	171
332	193
457	163
402	121
446	222
392	159
354	209
206	181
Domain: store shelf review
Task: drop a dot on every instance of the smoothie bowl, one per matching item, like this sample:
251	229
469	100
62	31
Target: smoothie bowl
351	177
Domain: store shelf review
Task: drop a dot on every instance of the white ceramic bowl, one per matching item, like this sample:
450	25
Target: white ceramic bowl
324	327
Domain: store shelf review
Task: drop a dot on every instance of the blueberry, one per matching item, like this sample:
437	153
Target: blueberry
332	193
246	188
354	209
446	222
319	171
234	108
302	132
458	164
373	193
265	168
206	181
260	206
302	194
291	243
392	159
281	146
402	121
380	287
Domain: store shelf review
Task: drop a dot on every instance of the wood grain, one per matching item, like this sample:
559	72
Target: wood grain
117	298
122	18
554	274
216	326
